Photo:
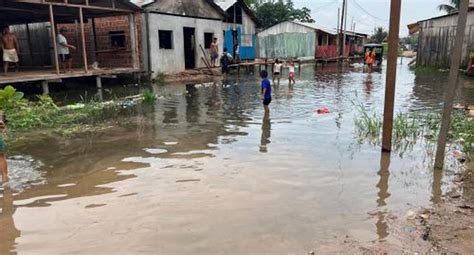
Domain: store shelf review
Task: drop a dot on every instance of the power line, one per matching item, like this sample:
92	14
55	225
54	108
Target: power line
355	3
324	6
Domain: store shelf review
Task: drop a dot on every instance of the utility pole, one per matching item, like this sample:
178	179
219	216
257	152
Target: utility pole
345	29
452	85
393	44
338	42
341	39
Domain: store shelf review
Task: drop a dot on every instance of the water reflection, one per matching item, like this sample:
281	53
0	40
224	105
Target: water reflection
8	230
369	85
382	195
266	133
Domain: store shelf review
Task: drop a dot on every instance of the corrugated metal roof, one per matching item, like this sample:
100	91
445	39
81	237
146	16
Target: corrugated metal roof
225	4
317	27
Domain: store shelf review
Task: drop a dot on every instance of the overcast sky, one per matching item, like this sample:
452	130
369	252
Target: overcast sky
375	13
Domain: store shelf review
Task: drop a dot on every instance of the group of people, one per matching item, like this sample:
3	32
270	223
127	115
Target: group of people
226	59
266	87
11	50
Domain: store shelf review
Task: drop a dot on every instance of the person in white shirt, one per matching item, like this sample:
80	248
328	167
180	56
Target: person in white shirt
277	71
64	53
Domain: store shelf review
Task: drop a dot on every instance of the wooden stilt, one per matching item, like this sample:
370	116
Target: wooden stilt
98	81
451	89
53	35
133	41
83	38
393	43
45	87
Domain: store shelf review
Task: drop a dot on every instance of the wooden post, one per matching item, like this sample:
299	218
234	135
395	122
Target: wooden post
83	37
341	37
93	42
53	35
452	84
390	83
133	41
45	87
30	46
98	82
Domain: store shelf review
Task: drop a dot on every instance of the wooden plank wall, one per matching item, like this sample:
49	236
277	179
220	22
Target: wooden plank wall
37	51
436	42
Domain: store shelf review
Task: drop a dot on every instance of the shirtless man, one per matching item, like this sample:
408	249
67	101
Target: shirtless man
10	49
214	52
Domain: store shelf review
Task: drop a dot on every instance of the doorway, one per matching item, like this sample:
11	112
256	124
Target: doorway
189	48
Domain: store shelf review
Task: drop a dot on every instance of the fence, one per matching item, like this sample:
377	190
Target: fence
435	46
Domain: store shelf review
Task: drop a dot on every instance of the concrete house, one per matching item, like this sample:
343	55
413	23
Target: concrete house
436	39
293	39
174	32
239	27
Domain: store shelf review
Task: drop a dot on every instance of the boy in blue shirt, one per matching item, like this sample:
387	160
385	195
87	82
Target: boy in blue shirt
266	91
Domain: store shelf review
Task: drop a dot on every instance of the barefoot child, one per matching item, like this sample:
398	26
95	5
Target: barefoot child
277	72
291	74
3	160
266	91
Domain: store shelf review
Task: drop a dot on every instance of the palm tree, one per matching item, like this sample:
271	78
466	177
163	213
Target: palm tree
450	8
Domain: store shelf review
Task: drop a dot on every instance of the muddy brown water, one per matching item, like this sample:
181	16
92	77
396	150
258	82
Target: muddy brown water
204	172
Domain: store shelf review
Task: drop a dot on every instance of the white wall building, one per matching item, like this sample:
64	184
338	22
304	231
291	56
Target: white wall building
174	32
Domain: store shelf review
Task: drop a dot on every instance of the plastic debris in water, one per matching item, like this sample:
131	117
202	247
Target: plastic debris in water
323	110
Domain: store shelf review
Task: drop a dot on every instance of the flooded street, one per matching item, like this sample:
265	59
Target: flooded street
204	172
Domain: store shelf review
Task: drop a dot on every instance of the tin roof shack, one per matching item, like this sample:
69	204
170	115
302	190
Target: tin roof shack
36	23
436	39
239	28
287	40
176	31
293	39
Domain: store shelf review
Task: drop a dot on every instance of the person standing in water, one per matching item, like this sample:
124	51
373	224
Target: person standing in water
3	158
10	49
266	90
291	74
370	59
277	71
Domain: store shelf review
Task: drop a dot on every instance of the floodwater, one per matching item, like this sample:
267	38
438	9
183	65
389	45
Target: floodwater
205	172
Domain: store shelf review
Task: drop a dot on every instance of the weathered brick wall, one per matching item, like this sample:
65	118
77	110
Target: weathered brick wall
106	54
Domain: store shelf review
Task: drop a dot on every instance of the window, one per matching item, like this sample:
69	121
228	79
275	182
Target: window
234	14
320	40
247	40
166	39
117	39
208	37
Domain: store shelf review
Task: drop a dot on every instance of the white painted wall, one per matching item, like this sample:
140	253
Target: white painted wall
172	61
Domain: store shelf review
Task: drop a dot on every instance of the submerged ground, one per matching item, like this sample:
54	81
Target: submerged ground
204	172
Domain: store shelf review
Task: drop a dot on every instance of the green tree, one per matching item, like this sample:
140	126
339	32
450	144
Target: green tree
272	12
379	36
452	7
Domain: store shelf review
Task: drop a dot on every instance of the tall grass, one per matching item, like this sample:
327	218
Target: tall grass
410	128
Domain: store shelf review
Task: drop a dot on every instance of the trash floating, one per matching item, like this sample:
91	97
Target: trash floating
323	110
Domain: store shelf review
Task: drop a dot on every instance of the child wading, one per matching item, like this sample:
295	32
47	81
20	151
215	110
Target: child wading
277	71
3	159
291	74
266	91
